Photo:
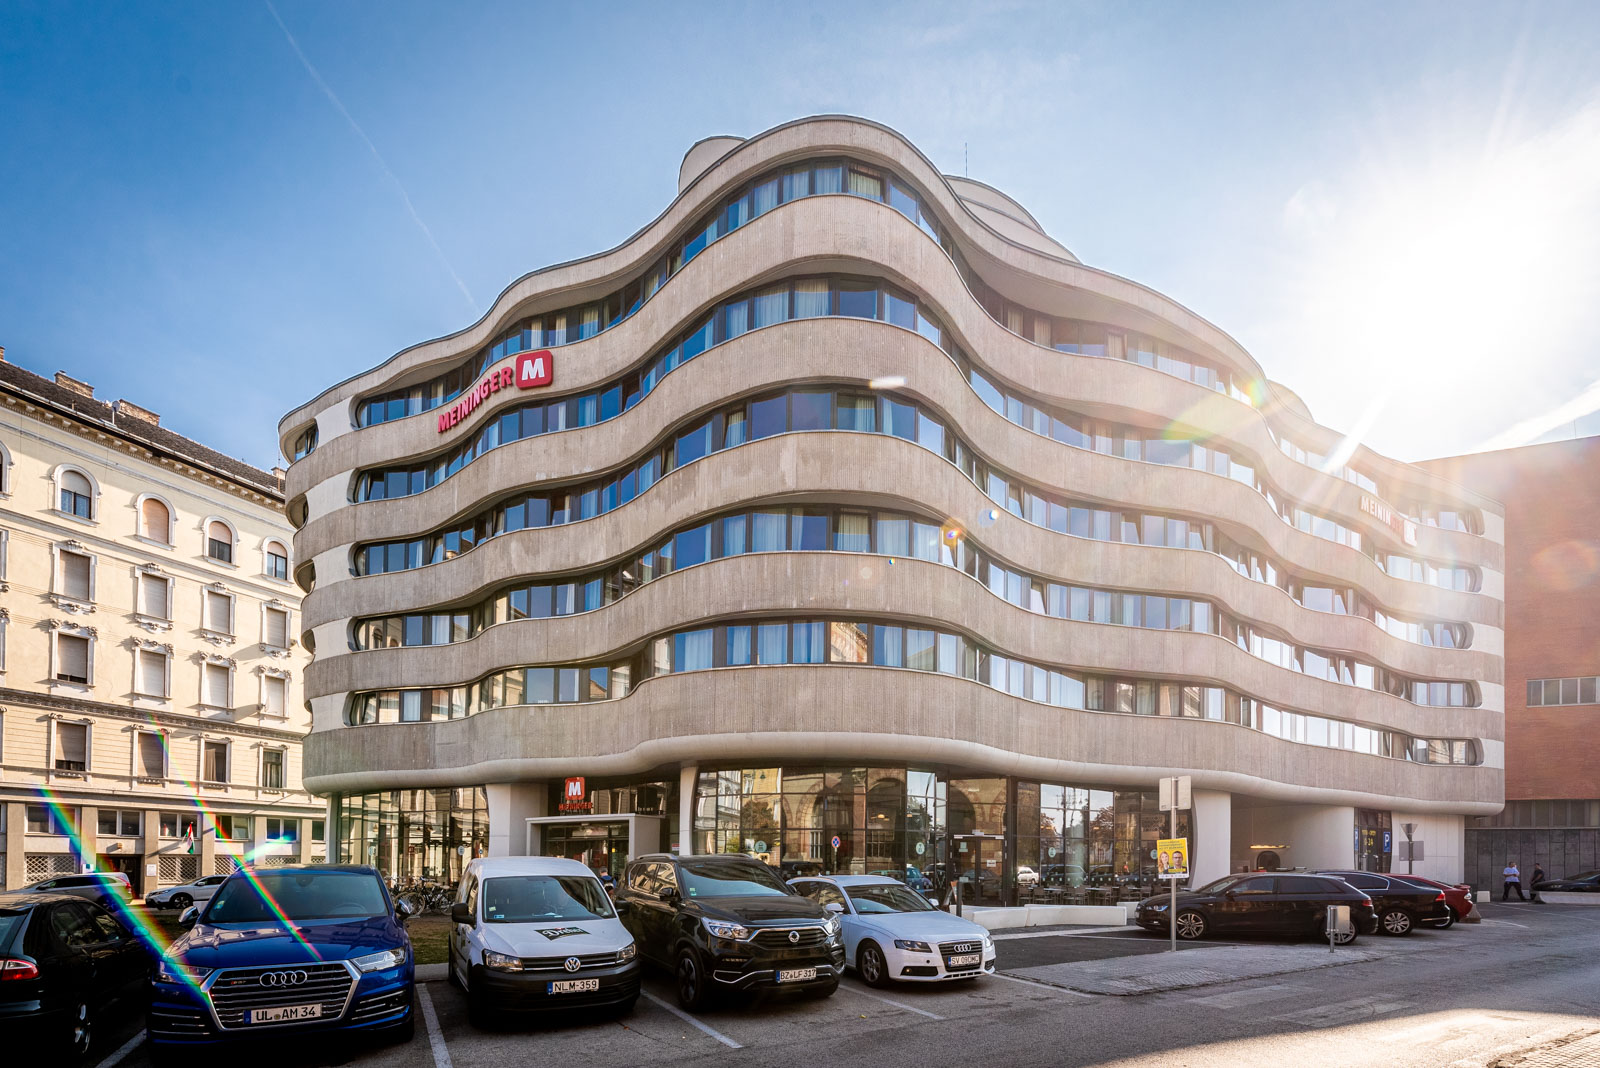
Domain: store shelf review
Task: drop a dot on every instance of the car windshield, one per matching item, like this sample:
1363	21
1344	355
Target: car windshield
729	878
539	898
886	898
1582	875
266	897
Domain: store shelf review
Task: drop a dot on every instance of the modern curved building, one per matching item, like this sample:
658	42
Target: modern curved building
843	517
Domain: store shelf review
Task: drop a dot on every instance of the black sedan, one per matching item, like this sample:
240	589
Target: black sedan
1401	905
63	962
1585	882
1268	904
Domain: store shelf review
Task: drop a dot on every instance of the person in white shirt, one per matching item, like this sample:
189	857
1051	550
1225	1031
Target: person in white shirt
1513	881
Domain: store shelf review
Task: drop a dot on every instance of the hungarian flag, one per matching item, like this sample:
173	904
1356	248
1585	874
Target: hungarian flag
188	837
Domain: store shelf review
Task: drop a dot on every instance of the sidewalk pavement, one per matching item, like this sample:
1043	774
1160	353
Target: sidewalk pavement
1150	973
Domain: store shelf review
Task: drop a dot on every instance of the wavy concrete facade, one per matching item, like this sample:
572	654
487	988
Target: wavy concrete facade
1277	753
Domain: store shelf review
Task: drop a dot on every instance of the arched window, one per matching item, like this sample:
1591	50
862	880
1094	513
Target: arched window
5	469
77	495
155	520
219	541
276	564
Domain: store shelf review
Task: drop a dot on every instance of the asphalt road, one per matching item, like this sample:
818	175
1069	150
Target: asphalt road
1525	977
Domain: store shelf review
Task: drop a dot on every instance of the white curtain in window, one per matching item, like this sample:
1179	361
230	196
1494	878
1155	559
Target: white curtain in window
696	651
771	305
219	612
866	185
277	628
152	673
216	685
772	643
765	197
810	298
853	534
152	756
153	596
75	576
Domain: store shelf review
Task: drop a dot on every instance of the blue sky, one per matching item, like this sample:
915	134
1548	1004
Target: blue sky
1395	208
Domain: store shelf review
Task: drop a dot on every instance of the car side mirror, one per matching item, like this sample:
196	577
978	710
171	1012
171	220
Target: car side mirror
404	909
461	912
834	907
190	915
1229	894
668	895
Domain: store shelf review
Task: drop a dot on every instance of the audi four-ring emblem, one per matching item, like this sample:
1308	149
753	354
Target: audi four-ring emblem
794	936
294	978
572	964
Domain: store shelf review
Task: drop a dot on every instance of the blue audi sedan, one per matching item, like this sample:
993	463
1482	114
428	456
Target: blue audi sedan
287	951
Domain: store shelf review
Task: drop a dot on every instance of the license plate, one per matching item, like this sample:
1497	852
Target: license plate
285	1014
797	975
573	986
966	960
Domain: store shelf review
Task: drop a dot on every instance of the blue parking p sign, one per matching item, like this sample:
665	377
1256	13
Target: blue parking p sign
1387	835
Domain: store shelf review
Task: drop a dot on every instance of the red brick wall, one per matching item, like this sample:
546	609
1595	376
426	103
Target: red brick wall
1552	498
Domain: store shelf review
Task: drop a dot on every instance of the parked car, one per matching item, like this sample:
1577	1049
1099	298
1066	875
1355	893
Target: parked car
181	897
1585	882
539	934
1401	905
106	889
891	933
1026	877
724	922
1457	895
63	962
280	952
1269	904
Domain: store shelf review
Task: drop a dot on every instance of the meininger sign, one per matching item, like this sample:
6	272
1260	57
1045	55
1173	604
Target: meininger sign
1387	516
530	371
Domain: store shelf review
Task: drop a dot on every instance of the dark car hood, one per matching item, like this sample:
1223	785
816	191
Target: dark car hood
758	910
243	945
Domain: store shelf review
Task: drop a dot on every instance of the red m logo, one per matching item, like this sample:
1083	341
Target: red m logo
535	369
575	790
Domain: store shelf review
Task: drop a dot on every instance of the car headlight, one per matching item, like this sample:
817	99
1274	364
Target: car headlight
719	929
172	972
501	962
628	952
833	927
377	962
913	946
1157	906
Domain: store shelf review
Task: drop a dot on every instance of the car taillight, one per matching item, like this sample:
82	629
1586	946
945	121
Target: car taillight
1367	901
1440	897
18	969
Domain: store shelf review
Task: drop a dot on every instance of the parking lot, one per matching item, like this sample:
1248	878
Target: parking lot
1493	984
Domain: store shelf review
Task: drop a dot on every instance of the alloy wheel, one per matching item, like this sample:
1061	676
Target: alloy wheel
689	981
82	1033
1396	922
1191	925
873	967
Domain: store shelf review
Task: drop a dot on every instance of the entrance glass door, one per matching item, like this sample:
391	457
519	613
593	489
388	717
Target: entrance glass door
979	865
603	846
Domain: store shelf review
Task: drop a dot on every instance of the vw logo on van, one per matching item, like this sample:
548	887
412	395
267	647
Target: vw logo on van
294	978
572	964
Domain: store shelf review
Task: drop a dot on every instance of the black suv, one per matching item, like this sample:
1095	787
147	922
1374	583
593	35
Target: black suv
726	922
1401	905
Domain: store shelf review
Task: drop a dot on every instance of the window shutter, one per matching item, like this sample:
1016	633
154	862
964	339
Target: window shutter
219	612
75	576
155	520
273	690
72	656
152	673
153	595
72	742
217	685
277	628
152	756
76	483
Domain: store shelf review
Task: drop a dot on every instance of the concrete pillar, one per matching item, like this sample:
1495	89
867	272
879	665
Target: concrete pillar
1212	849
150	849
302	841
258	837
89	836
16	838
207	826
688	775
511	805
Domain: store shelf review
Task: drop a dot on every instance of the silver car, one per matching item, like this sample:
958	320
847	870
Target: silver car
181	897
108	889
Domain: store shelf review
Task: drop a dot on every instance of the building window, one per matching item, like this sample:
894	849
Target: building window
305	443
272	769
72	746
281	830
214	761
1576	691
277	561
317	832
77	494
150	755
155	596
76	576
219	541
44	819
72	658
150	673
125	823
274	690
216	685
155	521
179	824
218	612
233	828
275	628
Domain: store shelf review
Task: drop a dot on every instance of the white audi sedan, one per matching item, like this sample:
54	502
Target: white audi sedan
892	933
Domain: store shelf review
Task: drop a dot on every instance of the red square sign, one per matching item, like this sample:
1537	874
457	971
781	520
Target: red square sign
535	369
575	790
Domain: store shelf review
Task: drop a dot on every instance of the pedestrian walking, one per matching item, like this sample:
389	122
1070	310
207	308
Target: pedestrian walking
1534	880
1513	881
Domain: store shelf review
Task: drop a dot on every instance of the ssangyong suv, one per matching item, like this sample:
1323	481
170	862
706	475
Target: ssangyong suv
280	952
726	922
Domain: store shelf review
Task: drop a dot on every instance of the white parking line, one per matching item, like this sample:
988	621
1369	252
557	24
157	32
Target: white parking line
690	1020
1043	986
1008	936
1505	923
897	1004
441	1054
127	1048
